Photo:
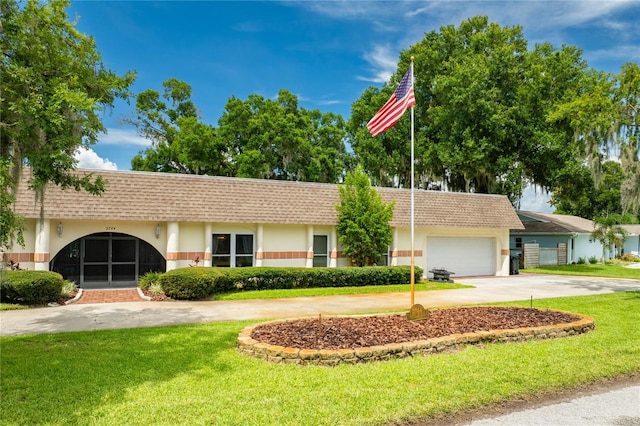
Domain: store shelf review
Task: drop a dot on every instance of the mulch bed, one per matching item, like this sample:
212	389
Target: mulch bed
357	332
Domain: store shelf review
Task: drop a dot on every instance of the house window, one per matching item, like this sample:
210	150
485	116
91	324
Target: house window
244	250
383	260
232	250
320	251
518	243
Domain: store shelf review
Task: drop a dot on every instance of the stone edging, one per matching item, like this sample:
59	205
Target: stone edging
76	298
331	357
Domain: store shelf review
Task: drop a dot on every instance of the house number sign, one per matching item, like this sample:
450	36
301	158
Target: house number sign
110	228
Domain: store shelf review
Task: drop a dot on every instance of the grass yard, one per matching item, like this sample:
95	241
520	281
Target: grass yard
193	375
597	270
336	291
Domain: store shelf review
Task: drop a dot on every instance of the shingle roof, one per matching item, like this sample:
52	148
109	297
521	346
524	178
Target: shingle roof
145	196
553	223
632	229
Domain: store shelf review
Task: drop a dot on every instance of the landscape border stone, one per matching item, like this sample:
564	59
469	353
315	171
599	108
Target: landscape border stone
246	345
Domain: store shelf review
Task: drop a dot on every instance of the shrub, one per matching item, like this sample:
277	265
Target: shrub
197	283
593	260
628	257
67	288
149	279
581	260
190	283
31	287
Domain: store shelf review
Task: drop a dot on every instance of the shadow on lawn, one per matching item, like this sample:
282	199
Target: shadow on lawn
68	378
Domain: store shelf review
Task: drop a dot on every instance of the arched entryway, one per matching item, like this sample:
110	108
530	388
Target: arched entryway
107	260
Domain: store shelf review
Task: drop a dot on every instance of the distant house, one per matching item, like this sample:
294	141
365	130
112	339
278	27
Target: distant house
560	239
158	222
632	243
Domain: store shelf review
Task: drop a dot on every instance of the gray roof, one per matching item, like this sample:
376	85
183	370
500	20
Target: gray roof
631	229
146	196
550	223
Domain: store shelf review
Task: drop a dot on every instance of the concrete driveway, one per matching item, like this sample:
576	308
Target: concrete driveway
146	314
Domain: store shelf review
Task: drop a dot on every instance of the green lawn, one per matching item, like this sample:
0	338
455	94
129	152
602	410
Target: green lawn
335	291
597	270
193	375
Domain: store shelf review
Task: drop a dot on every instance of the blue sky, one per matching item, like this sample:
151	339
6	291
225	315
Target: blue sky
326	52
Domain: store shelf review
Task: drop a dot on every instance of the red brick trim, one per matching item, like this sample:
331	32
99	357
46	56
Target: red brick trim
188	255
19	257
505	252
407	253
41	257
284	255
333	254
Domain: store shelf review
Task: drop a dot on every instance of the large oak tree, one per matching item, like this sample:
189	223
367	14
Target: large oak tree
53	89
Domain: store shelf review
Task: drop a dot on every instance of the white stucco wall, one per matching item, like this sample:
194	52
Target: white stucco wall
284	238
196	237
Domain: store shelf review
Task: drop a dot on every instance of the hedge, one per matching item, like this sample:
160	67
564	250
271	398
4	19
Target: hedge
30	287
201	282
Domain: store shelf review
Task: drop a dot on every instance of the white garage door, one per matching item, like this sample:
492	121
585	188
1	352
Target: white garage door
464	256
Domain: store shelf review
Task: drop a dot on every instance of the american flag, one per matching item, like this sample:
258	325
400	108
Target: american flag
390	113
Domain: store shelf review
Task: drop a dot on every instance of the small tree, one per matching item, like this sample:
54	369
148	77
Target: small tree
363	219
608	232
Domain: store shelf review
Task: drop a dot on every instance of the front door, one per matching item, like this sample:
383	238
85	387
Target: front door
109	262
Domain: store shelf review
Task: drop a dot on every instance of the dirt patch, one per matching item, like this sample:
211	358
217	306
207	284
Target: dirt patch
365	331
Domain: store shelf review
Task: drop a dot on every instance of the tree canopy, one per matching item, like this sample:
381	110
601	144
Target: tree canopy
256	137
53	88
481	114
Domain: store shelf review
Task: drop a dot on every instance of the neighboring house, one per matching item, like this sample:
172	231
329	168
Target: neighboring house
561	239
632	243
158	222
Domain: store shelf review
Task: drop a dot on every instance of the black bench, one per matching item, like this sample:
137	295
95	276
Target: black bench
442	275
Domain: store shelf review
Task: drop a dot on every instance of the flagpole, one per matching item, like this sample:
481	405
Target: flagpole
413	278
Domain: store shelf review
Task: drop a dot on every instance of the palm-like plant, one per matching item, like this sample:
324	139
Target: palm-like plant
608	232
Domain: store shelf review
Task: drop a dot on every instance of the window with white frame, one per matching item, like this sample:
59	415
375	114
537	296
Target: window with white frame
320	251
232	250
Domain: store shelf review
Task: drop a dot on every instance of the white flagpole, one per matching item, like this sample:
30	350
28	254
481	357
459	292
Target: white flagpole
413	279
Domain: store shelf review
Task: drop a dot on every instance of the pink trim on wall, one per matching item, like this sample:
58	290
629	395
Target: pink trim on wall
19	257
188	255
505	252
407	253
285	255
41	257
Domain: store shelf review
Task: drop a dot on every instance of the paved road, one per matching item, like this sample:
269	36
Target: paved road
618	407
146	314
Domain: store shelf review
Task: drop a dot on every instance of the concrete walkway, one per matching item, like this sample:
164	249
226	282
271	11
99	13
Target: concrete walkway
77	317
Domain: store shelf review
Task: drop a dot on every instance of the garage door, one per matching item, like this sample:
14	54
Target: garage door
464	256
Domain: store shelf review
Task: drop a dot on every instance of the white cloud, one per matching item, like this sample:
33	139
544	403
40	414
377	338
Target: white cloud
88	159
123	137
384	62
535	200
628	53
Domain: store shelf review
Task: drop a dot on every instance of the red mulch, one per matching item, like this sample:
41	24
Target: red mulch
356	332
